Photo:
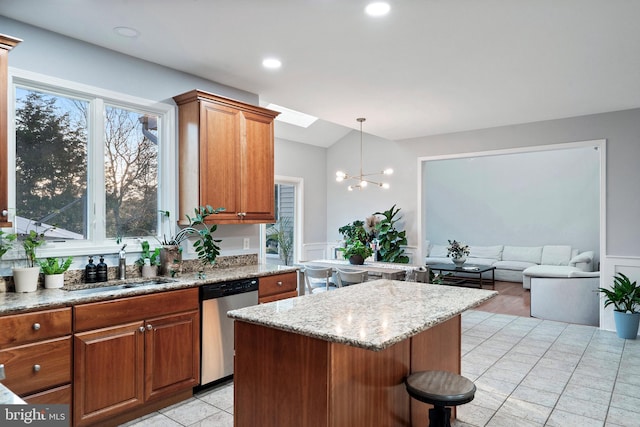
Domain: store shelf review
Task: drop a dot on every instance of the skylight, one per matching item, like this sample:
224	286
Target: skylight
293	117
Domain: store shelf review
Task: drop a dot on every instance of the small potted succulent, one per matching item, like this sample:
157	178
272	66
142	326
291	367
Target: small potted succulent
53	269
148	261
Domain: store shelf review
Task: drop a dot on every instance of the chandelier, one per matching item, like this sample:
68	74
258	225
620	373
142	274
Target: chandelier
361	178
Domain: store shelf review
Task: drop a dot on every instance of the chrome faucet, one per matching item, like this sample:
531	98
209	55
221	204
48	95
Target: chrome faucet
122	263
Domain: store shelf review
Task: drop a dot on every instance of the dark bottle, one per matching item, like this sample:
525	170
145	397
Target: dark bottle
90	272
101	270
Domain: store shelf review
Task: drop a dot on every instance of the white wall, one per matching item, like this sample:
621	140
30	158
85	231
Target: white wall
489	200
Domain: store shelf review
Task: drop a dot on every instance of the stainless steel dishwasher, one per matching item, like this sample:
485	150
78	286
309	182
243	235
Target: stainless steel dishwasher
216	299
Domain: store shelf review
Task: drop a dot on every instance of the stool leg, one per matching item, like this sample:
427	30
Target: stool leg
439	416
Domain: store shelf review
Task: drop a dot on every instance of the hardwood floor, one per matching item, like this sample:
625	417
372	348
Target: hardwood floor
512	299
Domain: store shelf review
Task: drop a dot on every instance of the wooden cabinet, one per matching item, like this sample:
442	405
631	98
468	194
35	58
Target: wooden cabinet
6	44
277	287
35	349
132	353
226	158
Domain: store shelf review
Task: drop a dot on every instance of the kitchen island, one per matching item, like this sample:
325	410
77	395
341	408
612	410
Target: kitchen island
339	358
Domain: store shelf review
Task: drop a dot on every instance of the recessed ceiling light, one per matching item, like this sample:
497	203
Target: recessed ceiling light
271	63
378	8
126	32
293	117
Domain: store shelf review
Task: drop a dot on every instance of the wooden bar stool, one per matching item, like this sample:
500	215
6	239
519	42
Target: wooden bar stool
440	389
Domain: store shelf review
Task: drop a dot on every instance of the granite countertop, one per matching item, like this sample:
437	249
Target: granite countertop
372	315
7	397
12	302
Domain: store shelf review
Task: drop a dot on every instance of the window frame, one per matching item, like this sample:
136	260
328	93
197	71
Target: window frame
97	243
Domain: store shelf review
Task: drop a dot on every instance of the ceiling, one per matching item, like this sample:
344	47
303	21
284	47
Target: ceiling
428	67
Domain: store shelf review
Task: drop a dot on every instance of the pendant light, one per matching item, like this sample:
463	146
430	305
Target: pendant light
362	178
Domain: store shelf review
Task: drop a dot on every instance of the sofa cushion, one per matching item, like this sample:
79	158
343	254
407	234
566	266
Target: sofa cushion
556	255
522	253
513	265
438	251
490	252
549	271
437	260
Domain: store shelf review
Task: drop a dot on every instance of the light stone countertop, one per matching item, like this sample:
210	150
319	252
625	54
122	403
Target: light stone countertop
13	302
7	397
372	315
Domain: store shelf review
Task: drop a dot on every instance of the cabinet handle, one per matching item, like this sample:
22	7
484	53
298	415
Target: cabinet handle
36	326
141	329
5	212
239	214
279	283
36	368
149	326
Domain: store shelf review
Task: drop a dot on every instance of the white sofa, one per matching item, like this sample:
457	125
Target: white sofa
549	296
511	261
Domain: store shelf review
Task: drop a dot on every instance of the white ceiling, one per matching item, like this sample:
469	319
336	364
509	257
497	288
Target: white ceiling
429	67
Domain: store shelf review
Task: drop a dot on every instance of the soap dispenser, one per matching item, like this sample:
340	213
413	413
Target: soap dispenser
101	270
90	272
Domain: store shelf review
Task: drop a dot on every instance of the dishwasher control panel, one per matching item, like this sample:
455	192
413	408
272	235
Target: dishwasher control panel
222	289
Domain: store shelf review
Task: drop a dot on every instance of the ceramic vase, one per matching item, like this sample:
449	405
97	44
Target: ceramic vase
149	271
53	281
459	260
25	279
626	324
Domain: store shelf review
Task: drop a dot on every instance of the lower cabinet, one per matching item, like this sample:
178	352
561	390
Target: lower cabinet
133	354
278	287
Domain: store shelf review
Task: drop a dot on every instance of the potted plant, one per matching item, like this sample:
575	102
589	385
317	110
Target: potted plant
458	252
205	245
625	297
389	239
26	278
148	261
53	269
356	252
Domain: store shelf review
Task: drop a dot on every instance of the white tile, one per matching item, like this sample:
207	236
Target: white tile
533	395
474	415
622	401
526	410
586	408
622	417
157	420
191	412
561	418
502	419
219	419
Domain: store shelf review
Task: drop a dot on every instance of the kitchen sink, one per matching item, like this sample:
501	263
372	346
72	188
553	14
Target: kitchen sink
128	285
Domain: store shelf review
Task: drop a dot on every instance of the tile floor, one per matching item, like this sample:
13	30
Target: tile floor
528	372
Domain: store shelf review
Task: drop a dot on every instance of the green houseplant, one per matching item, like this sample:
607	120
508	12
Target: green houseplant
6	242
390	240
205	245
356	252
356	242
26	278
148	261
624	295
53	269
282	234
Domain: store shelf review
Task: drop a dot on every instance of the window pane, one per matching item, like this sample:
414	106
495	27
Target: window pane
51	163
131	173
280	239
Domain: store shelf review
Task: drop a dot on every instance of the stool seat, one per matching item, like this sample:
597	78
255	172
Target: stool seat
440	389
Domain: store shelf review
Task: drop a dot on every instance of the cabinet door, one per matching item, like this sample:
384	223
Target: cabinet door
220	160
257	168
172	362
108	372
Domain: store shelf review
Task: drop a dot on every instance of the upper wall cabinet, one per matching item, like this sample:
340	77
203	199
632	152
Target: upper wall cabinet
226	158
6	44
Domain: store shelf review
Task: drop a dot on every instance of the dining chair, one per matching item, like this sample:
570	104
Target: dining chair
350	277
318	279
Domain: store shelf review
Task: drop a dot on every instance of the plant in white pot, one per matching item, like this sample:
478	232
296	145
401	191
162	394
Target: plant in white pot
25	279
53	270
625	297
148	261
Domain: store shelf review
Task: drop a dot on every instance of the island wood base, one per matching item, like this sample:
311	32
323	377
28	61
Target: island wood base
288	380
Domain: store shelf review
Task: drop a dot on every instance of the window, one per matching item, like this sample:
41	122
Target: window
88	163
282	236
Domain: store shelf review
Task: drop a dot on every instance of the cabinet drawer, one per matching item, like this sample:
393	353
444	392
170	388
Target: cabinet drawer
278	297
279	283
20	329
108	313
59	395
33	367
